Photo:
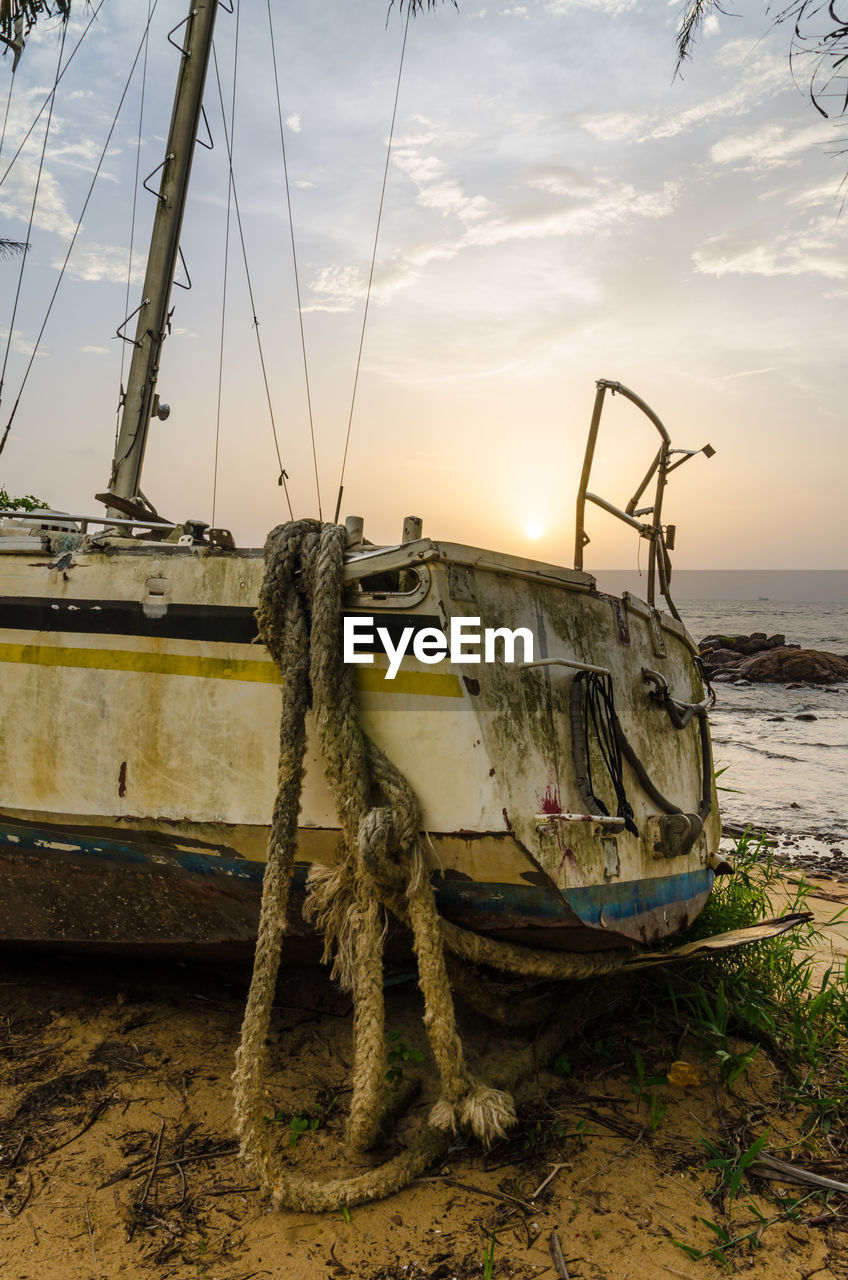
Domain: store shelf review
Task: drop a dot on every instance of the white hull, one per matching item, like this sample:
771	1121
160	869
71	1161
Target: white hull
138	767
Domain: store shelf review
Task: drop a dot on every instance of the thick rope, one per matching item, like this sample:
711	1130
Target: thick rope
382	867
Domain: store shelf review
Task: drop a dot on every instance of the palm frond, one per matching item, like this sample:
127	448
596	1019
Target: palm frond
818	46
8	247
415	5
695	14
17	17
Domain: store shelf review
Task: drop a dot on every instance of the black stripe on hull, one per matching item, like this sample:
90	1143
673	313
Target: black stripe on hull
221	624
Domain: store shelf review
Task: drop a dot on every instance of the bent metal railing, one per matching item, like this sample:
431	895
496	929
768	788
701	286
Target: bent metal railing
660	538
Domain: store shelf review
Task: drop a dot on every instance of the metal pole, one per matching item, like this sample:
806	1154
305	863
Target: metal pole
580	538
655	548
139	400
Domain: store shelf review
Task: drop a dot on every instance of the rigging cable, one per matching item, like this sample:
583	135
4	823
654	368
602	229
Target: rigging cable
6	112
283	472
294	259
29	224
49	97
34	352
226	263
132	220
409	9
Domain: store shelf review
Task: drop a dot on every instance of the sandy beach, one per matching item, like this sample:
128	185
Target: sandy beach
118	1156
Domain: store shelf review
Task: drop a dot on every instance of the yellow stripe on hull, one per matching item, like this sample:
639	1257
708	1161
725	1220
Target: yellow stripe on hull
369	680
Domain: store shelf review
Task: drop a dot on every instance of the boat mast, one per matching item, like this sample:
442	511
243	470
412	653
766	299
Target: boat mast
140	401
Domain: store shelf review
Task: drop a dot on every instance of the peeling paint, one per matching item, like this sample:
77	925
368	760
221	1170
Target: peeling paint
205	750
549	802
567	856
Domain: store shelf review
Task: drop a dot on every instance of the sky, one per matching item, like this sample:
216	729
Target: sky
558	209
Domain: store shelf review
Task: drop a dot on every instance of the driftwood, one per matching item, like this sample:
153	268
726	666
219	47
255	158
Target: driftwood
766	1166
556	1257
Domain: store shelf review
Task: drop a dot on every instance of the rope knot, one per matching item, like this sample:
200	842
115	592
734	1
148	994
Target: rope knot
382	867
377	842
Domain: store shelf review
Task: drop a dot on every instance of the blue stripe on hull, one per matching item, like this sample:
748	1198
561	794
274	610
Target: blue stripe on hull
641	910
622	903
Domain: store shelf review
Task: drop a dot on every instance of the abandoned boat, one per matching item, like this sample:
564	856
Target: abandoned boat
567	794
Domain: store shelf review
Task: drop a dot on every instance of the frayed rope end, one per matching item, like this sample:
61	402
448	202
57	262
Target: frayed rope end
488	1113
485	1112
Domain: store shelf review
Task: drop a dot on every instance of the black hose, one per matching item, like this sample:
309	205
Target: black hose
599	712
593	694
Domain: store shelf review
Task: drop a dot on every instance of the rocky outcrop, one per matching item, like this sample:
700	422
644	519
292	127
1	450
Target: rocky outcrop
759	657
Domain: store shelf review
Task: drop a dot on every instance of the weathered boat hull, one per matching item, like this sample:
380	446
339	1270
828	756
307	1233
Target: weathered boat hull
138	759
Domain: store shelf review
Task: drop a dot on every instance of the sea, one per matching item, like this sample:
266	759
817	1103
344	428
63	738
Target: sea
782	753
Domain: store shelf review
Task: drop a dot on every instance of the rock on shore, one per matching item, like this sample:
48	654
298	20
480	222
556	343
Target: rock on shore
763	658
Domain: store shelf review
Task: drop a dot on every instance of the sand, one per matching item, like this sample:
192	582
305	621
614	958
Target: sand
117	1156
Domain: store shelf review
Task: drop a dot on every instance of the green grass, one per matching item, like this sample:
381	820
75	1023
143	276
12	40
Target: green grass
767	992
767	997
489	1259
397	1054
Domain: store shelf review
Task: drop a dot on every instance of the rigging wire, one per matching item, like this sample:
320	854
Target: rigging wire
294	259
49	97
6	112
132	220
283	473
226	262
29	224
409	9
34	352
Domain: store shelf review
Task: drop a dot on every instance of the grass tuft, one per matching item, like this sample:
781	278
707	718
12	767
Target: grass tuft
769	992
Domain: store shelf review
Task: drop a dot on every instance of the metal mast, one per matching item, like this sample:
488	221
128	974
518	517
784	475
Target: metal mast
140	401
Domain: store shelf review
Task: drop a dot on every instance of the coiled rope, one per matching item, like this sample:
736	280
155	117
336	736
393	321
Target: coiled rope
382	867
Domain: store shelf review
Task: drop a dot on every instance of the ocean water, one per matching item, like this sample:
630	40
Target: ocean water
784	775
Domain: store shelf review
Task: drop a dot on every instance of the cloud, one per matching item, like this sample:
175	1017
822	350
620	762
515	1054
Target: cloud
20	345
590	210
420	169
612	7
51	213
95	351
448	199
434	191
554	202
293	122
558	180
84	154
90	261
763	74
828	194
336	288
614	126
608	204
770	147
745	373
748	251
